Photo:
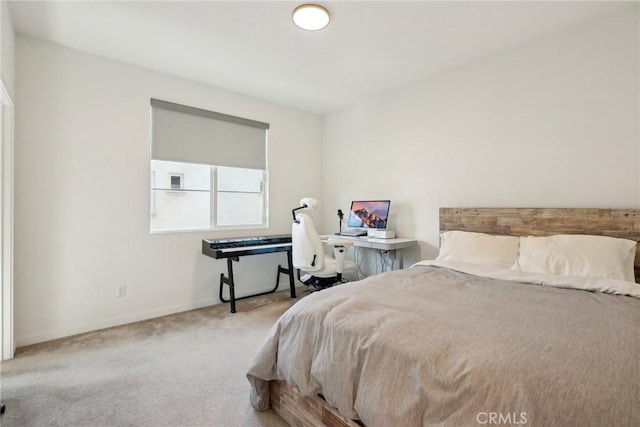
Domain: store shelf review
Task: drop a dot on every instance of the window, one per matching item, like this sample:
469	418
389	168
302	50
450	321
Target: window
208	170
176	181
186	208
241	194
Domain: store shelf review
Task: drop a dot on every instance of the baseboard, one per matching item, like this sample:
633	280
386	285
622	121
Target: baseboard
108	323
119	321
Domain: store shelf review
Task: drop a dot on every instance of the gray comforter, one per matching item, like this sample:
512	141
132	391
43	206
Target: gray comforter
431	346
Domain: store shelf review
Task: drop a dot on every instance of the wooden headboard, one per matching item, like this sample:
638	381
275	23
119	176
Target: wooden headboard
623	223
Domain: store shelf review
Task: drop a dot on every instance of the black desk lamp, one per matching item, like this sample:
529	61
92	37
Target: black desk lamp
341	216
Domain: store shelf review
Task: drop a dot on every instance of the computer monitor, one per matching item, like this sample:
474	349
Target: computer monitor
369	214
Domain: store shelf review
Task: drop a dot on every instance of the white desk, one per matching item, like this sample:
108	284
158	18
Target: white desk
394	245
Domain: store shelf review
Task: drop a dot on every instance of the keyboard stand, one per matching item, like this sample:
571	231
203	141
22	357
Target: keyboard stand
228	280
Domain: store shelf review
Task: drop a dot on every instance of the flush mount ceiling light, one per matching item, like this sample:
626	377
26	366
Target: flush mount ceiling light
311	17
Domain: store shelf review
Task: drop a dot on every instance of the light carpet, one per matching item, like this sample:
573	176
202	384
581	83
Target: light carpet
186	369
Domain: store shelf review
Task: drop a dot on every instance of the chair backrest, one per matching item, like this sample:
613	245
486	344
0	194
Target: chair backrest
307	250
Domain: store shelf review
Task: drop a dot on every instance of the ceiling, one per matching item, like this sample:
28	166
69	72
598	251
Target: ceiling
252	47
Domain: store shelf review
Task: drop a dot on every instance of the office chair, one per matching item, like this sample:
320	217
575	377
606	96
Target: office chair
321	271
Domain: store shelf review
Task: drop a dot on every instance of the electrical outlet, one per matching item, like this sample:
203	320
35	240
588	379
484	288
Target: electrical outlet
121	290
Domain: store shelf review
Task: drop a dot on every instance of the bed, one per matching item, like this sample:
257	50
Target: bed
454	343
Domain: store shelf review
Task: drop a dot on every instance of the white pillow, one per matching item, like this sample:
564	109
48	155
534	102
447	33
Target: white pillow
578	255
479	248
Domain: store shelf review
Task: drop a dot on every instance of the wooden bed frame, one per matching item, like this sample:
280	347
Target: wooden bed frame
299	410
304	411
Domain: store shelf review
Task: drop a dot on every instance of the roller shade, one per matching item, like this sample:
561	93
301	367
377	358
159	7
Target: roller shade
192	135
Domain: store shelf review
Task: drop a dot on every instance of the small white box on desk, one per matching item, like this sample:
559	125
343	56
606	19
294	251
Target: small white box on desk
385	234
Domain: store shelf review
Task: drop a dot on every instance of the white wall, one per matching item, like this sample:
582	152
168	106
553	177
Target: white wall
82	194
7	48
553	124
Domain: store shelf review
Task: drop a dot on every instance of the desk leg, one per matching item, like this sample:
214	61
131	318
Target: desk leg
229	281
289	271
232	289
397	255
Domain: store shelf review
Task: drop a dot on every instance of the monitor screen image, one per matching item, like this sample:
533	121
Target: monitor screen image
369	214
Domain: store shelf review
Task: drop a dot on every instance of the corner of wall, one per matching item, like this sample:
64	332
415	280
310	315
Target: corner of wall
7	48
